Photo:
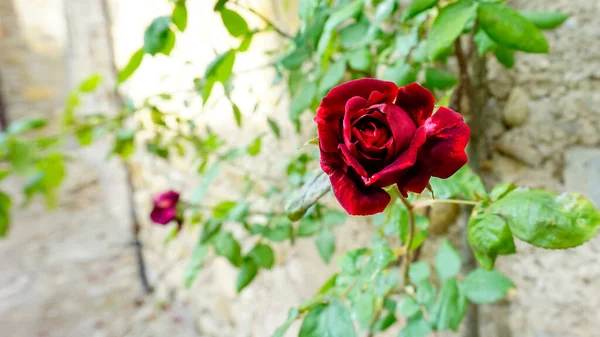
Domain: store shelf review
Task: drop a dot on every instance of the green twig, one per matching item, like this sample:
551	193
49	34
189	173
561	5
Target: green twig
425	203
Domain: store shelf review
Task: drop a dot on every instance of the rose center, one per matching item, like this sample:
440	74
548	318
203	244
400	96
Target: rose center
164	204
372	131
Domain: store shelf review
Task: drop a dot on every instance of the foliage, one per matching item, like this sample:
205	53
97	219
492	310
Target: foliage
379	285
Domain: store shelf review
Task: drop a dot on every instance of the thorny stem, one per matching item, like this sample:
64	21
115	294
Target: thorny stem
264	19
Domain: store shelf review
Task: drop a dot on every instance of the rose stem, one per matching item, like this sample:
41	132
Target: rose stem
411	234
426	203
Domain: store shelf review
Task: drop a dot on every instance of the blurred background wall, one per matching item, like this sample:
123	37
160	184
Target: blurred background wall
72	271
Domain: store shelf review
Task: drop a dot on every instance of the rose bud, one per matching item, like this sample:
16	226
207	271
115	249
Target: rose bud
373	134
165	207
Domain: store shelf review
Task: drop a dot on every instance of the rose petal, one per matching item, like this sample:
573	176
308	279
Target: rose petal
166	199
415	180
401	124
447	137
377	97
335	101
357	200
351	161
162	215
417	101
391	173
353	108
328	131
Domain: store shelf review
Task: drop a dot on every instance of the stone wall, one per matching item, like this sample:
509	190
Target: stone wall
557	147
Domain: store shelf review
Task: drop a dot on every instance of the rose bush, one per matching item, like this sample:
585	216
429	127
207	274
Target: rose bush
165	207
373	134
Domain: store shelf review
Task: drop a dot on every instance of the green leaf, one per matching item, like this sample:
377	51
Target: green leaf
353	34
507	27
483	42
292	316
439	79
505	56
246	42
124	145
546	220
328	285
350	262
222	67
5	205
254	147
408	307
226	245
418	271
54	169
22	126
384	322
486	286
156	36
313	189
545	20
134	62
180	16
306	9
331	320
464	184
499	191
382	256
400	73
295	58
360	59
281	232
308	227
221	210
326	244
449	308
363	308
337	18
303	101
334	218
274	127
236	25
383	11
490	236
192	269
333	76
220	5
262	255
219	70
85	135
416	328
247	273
210	229
448	26
91	83
447	261
237	114
425	293
22	154
416	7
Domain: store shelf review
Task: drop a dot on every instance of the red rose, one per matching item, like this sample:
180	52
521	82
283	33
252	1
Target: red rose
165	207
373	134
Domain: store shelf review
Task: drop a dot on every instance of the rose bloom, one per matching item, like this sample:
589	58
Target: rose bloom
373	134
165	207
